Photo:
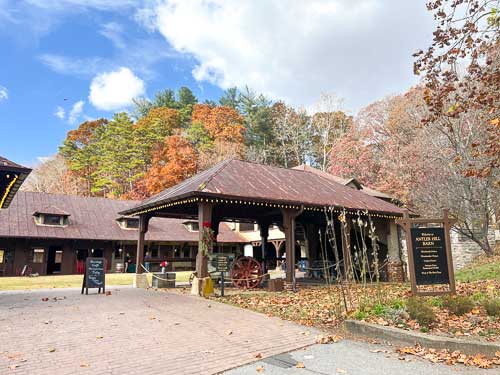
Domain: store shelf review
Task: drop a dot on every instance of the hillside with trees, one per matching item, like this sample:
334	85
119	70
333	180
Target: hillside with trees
437	145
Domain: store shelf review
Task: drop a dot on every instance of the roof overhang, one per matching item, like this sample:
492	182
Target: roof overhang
11	178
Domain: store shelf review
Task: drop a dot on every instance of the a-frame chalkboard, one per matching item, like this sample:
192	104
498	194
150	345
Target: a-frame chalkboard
95	275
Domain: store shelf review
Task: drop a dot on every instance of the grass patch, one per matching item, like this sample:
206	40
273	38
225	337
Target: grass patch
485	268
71	281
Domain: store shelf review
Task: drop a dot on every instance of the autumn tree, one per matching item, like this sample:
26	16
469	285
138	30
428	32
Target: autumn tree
224	128
329	124
152	129
172	163
461	70
53	176
80	150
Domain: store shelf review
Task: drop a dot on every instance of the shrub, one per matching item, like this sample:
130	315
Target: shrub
397	304
360	315
379	309
492	306
458	305
420	310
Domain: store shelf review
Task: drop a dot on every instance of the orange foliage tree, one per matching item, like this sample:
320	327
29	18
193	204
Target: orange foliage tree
172	163
224	126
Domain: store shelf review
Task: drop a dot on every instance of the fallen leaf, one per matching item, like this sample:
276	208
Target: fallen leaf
99	337
84	364
14	366
258	355
228	333
52	350
300	365
45	299
108	293
260	369
341	371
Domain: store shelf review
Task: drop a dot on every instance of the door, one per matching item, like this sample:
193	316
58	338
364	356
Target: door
54	260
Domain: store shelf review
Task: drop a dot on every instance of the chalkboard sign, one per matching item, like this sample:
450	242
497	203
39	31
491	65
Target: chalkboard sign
429	255
222	264
95	276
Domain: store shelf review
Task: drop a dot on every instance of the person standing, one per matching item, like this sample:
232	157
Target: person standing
147	260
127	261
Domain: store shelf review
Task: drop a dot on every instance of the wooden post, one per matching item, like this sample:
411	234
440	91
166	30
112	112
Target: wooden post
345	233
204	217
447	223
143	228
289	216
406	224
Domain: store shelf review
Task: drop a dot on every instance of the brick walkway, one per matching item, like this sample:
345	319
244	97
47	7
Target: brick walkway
134	331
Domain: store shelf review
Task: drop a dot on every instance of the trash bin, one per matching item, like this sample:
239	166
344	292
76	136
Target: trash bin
164	280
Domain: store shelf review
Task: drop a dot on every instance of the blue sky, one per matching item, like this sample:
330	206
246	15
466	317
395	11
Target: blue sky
65	61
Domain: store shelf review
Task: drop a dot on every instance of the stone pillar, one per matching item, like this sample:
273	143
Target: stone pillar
395	271
204	220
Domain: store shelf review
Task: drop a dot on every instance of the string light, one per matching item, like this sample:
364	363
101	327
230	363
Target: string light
339	210
7	190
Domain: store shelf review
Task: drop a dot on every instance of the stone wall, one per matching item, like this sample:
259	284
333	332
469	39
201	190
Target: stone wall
464	250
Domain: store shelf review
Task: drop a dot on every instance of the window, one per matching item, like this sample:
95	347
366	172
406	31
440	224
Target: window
38	255
192	226
58	257
132	223
186	252
247	227
48	219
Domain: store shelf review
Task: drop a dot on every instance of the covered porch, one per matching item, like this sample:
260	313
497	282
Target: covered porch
322	212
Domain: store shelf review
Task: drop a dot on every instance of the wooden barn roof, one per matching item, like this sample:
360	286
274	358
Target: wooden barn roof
12	176
236	179
346	182
91	219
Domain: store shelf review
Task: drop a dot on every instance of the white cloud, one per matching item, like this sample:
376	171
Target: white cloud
116	89
113	31
4	93
295	50
73	65
75	112
60	112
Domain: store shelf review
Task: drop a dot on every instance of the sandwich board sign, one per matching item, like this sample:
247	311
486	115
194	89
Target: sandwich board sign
95	275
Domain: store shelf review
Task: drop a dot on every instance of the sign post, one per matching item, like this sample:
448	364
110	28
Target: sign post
222	266
429	253
95	275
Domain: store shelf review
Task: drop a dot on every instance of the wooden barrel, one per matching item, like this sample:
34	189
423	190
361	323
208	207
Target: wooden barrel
119	267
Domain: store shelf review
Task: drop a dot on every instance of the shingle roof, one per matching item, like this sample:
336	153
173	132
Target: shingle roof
345	181
93	219
245	180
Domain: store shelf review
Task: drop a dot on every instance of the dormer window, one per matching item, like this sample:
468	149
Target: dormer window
128	222
191	226
51	216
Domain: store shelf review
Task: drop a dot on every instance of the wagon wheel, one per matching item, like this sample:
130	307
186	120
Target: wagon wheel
246	273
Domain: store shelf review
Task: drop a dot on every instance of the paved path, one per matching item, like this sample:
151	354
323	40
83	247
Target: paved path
351	358
134	331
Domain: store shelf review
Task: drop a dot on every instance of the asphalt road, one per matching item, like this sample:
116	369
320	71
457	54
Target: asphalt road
354	358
